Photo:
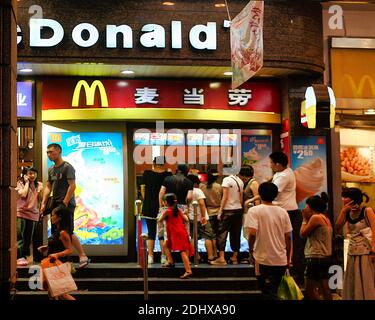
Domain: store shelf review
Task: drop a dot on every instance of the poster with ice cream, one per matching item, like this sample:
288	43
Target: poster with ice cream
97	158
309	163
255	152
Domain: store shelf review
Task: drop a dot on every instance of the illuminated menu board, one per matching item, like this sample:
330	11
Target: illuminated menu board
158	139
228	139
194	139
211	139
176	139
141	138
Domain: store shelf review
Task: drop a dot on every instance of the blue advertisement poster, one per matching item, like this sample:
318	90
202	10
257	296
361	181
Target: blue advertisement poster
97	158
255	152
309	163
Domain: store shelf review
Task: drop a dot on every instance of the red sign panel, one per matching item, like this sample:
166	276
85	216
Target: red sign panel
92	93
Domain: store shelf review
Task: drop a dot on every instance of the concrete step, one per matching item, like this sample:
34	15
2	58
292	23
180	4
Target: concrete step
132	270
124	281
157	284
153	295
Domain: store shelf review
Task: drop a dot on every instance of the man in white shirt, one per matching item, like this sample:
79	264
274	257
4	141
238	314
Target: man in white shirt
230	218
270	244
285	181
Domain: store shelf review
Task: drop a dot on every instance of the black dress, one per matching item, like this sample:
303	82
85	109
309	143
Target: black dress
55	245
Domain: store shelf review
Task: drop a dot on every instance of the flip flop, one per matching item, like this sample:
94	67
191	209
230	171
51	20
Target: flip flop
186	275
83	263
218	263
168	265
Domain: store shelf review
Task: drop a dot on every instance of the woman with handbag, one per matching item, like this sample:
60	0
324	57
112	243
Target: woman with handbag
28	191
359	278
60	242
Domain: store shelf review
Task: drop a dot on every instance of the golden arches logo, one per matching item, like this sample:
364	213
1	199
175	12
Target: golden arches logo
90	93
358	90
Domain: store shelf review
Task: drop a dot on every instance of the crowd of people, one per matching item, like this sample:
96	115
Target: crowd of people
280	236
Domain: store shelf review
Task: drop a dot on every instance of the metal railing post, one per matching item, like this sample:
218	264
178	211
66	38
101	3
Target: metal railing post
195	232
145	265
138	205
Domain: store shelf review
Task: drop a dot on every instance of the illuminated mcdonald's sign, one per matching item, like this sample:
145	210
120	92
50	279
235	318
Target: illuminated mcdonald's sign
358	90
90	93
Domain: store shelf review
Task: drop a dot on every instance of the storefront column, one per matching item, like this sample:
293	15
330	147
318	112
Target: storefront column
8	145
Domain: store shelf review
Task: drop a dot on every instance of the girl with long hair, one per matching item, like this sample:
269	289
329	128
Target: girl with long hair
317	228
60	242
360	268
29	191
177	235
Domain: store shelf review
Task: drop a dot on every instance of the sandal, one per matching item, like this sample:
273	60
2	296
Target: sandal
186	275
230	261
218	262
83	263
168	265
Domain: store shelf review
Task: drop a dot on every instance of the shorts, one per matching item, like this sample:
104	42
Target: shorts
160	228
317	268
204	232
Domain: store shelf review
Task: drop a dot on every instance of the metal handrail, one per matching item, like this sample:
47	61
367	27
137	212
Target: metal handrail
144	237
195	232
138	206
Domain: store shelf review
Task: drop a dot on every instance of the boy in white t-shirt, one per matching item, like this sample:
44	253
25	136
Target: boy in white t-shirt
270	242
204	226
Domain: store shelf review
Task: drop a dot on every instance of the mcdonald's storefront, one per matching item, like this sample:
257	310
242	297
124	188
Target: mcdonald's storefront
117	86
353	80
110	131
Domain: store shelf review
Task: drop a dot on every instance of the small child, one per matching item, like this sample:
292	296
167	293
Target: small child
177	236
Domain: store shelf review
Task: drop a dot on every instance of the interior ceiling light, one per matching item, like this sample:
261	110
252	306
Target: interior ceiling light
127	72
370	111
168	3
220	5
26	70
227	73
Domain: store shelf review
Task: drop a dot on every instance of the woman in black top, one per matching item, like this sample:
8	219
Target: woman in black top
150	187
60	242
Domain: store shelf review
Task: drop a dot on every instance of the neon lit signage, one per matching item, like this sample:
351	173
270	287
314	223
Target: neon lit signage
201	36
90	93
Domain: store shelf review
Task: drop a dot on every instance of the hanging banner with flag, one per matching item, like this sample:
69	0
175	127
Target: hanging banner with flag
246	37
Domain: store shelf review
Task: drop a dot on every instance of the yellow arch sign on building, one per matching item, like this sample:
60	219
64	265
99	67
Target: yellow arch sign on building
90	93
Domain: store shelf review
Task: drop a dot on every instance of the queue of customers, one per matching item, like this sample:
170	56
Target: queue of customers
280	236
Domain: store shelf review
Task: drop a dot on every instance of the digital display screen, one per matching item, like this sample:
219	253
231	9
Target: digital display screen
175	139
195	139
228	139
211	139
158	139
141	138
25	106
97	158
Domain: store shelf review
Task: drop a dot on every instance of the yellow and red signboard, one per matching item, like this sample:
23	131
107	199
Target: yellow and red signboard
93	93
